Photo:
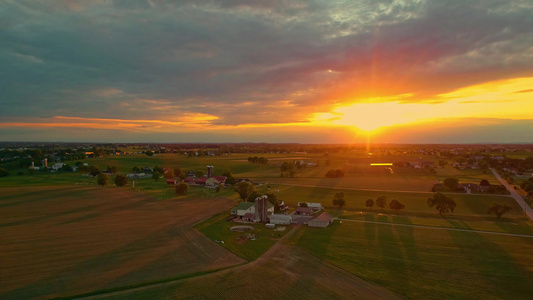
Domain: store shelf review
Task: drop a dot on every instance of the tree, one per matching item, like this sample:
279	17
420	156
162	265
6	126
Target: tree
178	172
93	170
149	153
483	165
442	163
451	183
169	174
369	203
442	203
381	201
199	174
499	209
182	188
103	179
484	182
156	175
136	169
112	169
229	177
396	205
3	172
335	174
339	200
219	188
253	196
244	189
121	180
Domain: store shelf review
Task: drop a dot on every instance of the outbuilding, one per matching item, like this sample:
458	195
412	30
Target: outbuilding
280	219
323	220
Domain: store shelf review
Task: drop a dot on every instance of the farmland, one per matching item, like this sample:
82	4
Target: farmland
286	273
424	263
64	240
62	235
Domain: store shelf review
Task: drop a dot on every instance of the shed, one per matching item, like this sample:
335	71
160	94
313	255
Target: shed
270	225
280	219
323	220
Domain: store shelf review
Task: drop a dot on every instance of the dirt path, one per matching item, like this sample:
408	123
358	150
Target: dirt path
296	274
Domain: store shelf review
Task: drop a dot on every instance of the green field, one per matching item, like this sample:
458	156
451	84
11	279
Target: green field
217	228
415	203
421	263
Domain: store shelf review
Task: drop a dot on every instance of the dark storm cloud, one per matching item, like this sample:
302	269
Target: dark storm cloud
248	61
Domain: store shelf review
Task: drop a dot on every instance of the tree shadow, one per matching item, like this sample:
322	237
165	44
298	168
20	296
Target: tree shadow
393	258
491	271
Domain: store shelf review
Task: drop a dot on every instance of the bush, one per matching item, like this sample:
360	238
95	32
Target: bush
3	172
103	179
182	188
121	180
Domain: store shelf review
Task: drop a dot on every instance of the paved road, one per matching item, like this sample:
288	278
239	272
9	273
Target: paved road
385	191
515	195
438	228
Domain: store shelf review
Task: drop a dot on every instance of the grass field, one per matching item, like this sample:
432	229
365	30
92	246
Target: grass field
421	263
217	228
65	240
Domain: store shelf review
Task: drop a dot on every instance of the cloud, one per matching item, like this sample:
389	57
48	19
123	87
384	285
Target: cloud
249	62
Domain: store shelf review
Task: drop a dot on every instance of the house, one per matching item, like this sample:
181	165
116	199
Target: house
191	174
215	181
148	169
323	220
244	208
249	207
57	166
280	219
304	211
171	181
470	187
314	206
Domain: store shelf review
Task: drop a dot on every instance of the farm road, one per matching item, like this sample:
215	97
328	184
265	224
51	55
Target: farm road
268	254
438	228
528	210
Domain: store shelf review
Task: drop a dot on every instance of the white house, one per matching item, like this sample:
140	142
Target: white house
248	208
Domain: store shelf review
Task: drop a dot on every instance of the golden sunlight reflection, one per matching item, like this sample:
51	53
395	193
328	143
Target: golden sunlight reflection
499	99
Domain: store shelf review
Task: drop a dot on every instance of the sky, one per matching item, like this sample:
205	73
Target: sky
386	71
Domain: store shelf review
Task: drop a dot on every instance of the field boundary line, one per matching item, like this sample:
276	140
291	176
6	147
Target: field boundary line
386	191
438	227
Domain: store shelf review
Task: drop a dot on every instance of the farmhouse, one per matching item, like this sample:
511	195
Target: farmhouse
248	208
323	220
280	219
215	181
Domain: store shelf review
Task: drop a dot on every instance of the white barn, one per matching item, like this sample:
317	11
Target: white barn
280	219
323	220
